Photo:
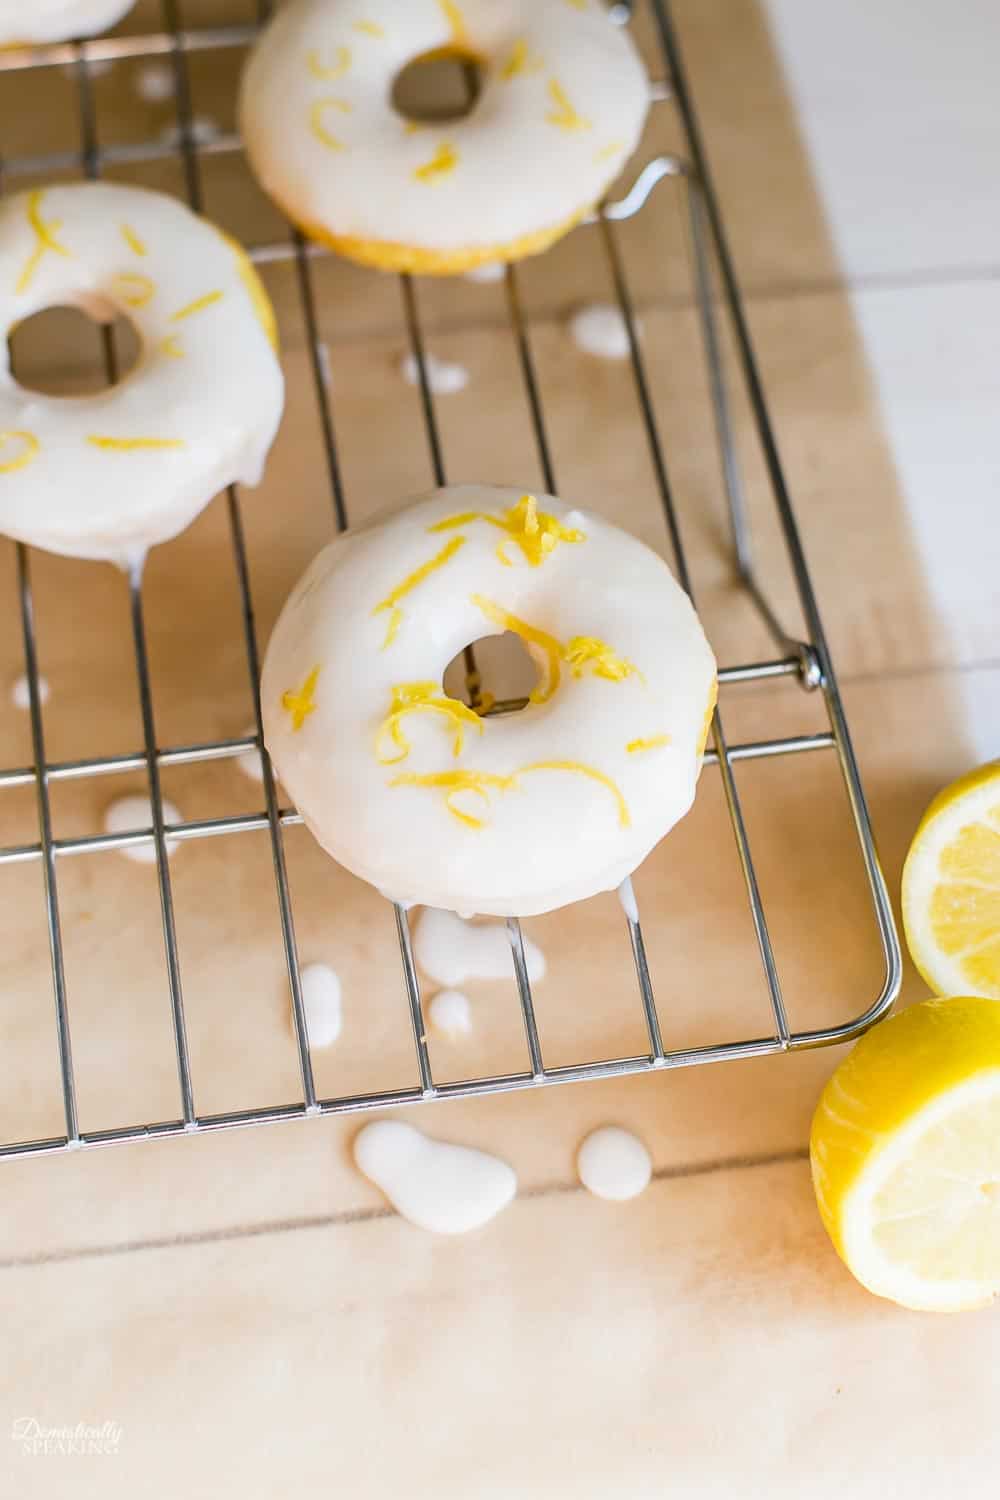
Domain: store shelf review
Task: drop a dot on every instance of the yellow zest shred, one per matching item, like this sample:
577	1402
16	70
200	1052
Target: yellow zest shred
455	19
132	240
254	287
410	582
521	60
564	115
299	702
608	151
587	651
198	305
453	782
27	454
370	28
417	698
479	783
316	125
653	742
444	160
45	239
582	651
170	347
134	289
580	769
319	70
547	644
535	531
130	444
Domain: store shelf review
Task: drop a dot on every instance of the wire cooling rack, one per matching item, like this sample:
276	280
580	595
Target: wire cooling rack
807	659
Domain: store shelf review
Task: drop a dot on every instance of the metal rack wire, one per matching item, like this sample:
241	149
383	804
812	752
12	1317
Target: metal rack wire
807	659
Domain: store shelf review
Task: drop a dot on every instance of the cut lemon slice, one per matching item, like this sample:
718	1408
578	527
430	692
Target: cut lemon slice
905	1153
951	888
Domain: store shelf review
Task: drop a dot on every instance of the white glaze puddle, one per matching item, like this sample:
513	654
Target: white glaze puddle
600	329
450	1013
613	1163
443	378
490	270
98	68
447	1189
131	813
250	762
203	130
19	695
451	950
154	82
321	1001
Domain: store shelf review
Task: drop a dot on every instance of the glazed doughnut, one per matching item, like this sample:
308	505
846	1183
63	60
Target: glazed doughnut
109	475
521	812
57	20
562	105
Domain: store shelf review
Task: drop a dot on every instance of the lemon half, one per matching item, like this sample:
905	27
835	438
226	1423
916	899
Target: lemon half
905	1153
951	888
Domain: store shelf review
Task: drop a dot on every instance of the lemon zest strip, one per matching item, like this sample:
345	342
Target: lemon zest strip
45	237
453	782
197	306
299	702
588	651
521	60
480	782
455	19
128	445
444	160
415	698
132	240
652	742
583	651
27	455
564	115
340	67
254	288
535	531
581	769
532	636
371	28
135	289
410	582
319	130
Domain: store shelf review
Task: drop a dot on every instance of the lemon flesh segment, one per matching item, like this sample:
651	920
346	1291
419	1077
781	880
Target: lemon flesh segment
905	1153
951	888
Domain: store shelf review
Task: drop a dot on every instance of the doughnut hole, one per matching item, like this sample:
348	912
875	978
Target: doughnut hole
61	351
437	86
506	670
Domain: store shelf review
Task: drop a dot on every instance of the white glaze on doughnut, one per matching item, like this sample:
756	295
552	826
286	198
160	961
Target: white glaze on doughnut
562	105
57	20
108	476
522	812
